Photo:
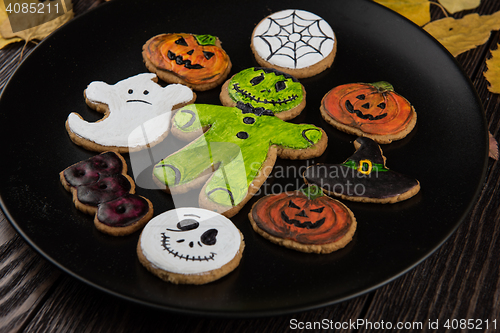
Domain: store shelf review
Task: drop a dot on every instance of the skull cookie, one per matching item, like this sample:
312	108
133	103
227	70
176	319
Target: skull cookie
190	246
266	88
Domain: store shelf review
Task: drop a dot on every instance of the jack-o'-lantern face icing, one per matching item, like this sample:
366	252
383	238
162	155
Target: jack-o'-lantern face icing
307	217
197	59
190	240
267	88
373	108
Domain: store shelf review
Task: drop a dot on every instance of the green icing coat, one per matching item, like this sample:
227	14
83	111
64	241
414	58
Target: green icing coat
236	145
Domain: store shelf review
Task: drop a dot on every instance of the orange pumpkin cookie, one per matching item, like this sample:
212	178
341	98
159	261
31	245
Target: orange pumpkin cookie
372	110
197	61
304	220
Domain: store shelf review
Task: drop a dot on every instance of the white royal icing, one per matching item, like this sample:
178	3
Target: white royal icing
293	39
167	247
139	111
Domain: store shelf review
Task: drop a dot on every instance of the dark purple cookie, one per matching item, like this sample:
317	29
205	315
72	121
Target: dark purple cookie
88	171
123	211
105	189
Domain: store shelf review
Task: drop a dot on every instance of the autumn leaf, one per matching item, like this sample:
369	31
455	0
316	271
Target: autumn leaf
5	18
493	149
418	11
39	24
454	6
492	73
460	35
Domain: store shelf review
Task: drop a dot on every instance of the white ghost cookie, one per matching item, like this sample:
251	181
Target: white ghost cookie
137	114
190	246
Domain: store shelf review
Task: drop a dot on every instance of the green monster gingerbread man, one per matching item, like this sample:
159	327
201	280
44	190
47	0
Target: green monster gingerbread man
234	155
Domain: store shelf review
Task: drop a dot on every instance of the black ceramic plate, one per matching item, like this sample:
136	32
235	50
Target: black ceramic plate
447	152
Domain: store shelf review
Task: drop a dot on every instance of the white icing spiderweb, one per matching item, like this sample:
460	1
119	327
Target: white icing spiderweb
296	36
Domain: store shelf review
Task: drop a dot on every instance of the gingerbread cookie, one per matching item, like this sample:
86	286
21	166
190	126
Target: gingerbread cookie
294	41
197	61
137	114
190	246
372	110
304	220
235	154
101	187
266	88
363	177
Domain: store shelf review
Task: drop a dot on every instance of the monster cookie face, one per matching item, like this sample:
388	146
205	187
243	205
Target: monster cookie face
195	58
190	241
267	88
293	39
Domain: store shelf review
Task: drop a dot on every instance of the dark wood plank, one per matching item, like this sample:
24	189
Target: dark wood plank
74	305
25	279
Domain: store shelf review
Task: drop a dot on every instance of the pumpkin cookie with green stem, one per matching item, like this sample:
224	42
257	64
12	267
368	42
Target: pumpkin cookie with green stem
371	110
197	61
304	220
233	152
266	88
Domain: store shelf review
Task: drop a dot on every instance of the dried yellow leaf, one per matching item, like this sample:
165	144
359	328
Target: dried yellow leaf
493	72
460	35
40	26
418	11
454	6
4	18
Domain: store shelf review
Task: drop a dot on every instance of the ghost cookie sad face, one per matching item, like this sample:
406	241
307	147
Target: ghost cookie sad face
137	97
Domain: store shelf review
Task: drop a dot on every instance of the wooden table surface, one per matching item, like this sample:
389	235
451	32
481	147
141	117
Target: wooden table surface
460	281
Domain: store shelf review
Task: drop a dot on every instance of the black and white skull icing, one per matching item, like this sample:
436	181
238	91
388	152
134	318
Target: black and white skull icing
190	241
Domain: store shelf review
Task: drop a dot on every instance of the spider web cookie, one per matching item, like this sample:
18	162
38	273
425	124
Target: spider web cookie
294	41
